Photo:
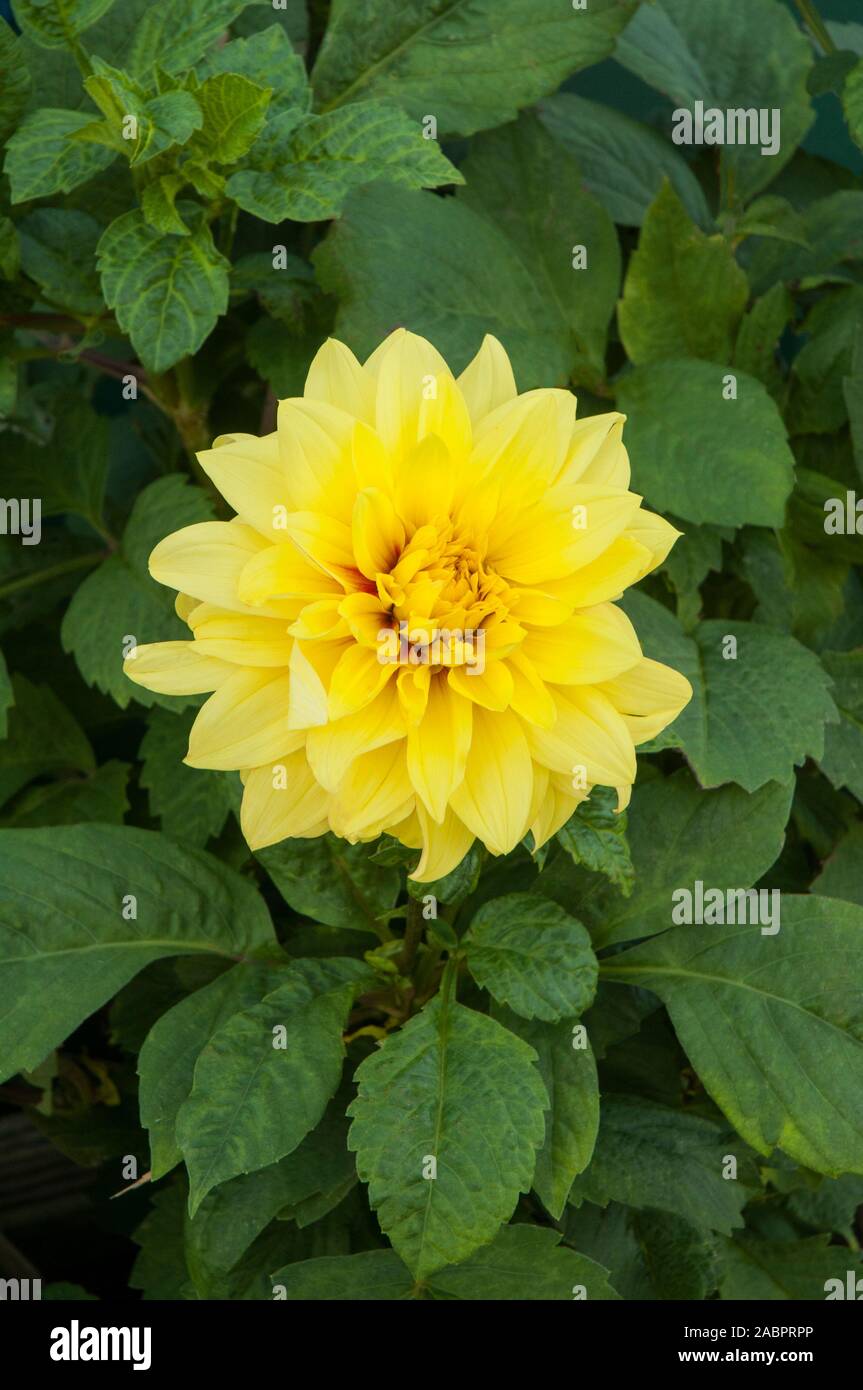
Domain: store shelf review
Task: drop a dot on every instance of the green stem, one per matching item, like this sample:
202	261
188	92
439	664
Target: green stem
815	24
28	581
412	937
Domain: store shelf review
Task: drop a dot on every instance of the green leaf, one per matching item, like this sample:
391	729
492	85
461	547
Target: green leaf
770	217
684	292
842	875
231	1217
725	838
234	110
530	954
63	962
166	291
623	162
256	1096
524	1263
436	61
99	796
119	607
759	1270
191	804
649	1254
164	120
43	737
166	1064
843	742
832	1206
41	159
700	456
368	1276
397	256
834	231
568	1072
160	1270
732	667
158	201
771	1025
523	181
303	167
696	554
695	54
454	1086
68	473
758	337
15	80
648	1155
331	881
58	248
818	403
269	59
57	23
175	36
595	836
852	102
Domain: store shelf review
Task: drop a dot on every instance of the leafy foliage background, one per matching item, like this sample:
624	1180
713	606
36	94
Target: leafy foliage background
152	260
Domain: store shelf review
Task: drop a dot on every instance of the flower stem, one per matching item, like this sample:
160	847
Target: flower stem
412	937
815	24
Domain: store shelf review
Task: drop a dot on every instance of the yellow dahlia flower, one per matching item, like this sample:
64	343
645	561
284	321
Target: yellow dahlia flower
408	626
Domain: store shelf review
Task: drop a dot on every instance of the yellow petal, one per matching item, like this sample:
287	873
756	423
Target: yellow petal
245	724
373	466
281	801
425	480
378	534
568	529
336	377
283	572
495	795
241	640
407	368
593	645
333	747
315	439
358	677
206	561
175	668
523	444
648	696
530	697
589	740
374	793
487	380
438	746
654	533
444	413
307	702
596	453
322	539
248	472
444	845
623	563
491	688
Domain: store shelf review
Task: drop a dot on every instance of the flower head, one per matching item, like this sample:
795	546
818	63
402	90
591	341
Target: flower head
409	624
